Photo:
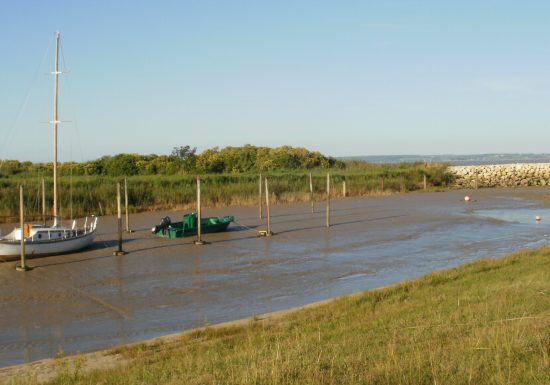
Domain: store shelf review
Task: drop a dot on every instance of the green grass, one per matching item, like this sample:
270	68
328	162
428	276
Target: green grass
487	322
97	194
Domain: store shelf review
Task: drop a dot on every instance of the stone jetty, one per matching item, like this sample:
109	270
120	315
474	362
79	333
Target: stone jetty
504	175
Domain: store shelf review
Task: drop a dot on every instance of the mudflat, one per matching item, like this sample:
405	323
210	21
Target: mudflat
93	300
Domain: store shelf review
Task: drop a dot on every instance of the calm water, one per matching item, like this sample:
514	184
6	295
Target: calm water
458	160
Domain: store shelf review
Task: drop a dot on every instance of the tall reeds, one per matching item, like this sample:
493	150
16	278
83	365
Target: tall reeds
178	191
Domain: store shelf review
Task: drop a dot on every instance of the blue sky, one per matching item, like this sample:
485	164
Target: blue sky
342	77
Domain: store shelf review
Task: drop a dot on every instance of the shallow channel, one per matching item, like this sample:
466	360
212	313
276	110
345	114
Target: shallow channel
93	300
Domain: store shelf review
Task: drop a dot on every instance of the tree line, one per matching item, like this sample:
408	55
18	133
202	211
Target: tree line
185	160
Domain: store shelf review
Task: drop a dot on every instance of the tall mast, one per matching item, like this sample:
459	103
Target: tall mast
55	123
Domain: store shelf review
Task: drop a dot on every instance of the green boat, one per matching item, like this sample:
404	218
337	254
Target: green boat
188	226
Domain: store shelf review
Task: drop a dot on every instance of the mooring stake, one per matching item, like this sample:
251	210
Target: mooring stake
344	192
268	232
43	203
328	200
260	198
119	220
128	229
199	240
22	266
311	193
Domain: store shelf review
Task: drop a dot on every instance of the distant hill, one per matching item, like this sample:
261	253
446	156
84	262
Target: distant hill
473	159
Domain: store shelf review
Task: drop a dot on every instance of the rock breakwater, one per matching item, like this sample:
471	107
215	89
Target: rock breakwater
504	175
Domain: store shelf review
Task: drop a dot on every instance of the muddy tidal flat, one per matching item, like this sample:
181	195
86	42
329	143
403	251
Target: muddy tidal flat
93	300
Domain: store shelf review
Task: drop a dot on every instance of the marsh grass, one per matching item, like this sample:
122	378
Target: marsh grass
486	322
96	194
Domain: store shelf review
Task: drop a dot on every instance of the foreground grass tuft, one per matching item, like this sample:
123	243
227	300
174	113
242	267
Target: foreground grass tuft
487	322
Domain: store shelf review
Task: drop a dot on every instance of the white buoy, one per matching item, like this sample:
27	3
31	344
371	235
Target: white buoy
537	218
466	198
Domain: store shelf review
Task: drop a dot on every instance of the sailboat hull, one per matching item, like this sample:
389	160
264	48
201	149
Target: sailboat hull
11	249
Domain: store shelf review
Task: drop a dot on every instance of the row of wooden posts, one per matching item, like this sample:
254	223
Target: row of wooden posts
344	194
264	181
199	241
260	200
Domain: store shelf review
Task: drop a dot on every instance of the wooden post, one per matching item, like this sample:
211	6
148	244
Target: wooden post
311	193
344	188
43	203
22	223
476	181
119	220
382	184
22	266
71	195
425	182
269	233
328	200
199	240
128	230
260	199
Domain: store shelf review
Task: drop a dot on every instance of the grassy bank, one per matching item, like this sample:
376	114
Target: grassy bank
487	322
84	195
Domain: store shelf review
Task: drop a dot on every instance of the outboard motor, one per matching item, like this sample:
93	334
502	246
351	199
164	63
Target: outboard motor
163	225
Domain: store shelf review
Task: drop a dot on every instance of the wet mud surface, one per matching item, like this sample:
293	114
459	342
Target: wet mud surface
92	299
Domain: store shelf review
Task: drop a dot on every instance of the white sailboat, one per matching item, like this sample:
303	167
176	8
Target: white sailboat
55	239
